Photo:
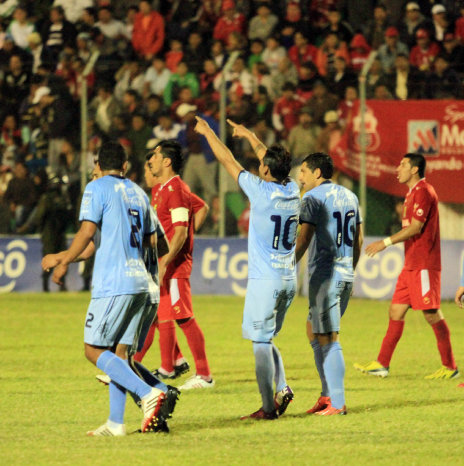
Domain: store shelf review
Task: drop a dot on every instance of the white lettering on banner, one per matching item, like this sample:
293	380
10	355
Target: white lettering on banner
13	263
451	137
220	265
387	266
452	114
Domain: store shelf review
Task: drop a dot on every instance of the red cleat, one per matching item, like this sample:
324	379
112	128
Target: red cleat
321	404
331	411
261	415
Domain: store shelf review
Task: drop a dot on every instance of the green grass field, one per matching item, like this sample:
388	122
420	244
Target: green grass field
50	398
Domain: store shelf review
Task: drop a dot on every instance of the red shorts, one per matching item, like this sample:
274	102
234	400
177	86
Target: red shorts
418	288
175	300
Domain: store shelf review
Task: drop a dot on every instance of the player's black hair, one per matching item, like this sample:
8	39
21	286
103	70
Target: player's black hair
111	156
322	161
417	160
171	149
278	160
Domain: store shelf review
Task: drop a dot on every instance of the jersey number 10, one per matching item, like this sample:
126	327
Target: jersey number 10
343	228
287	241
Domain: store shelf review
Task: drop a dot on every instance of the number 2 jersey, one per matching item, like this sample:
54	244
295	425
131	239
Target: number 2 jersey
274	209
334	212
121	210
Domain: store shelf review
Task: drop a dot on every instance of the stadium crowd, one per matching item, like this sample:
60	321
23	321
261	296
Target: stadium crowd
161	62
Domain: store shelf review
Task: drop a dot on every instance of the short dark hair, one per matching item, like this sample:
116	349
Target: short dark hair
417	160
278	159
171	149
322	161
111	156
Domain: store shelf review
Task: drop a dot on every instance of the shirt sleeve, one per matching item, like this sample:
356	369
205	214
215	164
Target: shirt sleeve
422	205
309	210
92	204
197	202
179	203
251	184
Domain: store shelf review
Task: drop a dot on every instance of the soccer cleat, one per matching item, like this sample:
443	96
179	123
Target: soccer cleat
372	368
261	415
331	411
196	381
444	373
103	378
151	406
106	431
322	403
282	399
181	369
169	403
162	376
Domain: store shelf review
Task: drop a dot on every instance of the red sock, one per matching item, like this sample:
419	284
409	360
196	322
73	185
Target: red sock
148	342
167	341
177	353
196	342
444	344
392	337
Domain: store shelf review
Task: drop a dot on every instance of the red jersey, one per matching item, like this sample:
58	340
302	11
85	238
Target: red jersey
422	251
175	205
288	111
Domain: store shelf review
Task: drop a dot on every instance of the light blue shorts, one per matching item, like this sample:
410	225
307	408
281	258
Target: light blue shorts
115	320
328	300
266	304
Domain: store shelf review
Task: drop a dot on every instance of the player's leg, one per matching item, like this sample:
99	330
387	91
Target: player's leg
116	319
180	288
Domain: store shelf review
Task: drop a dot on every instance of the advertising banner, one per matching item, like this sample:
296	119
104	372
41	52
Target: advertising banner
434	128
220	267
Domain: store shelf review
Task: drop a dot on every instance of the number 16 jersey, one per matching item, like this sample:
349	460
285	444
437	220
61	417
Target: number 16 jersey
334	212
274	209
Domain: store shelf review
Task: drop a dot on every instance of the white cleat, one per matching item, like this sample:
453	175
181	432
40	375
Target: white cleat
103	378
196	381
151	405
106	431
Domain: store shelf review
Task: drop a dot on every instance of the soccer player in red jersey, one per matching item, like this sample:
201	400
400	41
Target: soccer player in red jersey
175	209
418	285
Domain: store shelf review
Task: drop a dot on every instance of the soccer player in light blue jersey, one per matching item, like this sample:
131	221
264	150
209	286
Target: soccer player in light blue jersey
275	204
331	227
120	211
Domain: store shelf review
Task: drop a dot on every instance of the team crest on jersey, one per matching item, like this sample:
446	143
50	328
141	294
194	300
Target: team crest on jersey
423	137
426	300
420	212
176	309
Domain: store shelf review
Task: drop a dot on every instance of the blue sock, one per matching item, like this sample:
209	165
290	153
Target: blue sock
264	365
279	376
318	358
117	403
149	377
120	372
334	369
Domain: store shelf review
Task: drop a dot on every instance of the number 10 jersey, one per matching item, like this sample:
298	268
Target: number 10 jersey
274	209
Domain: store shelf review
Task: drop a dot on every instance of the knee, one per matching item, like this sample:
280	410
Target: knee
432	316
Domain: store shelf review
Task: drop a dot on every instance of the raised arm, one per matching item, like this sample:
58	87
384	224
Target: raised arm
220	150
241	132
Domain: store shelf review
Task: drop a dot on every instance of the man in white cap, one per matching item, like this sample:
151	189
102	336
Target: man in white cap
413	20
201	167
440	22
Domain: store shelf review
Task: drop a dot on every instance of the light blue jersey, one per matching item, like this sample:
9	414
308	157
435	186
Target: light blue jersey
150	257
334	211
121	210
273	224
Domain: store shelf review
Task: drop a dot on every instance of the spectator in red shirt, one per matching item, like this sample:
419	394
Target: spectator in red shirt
359	52
148	34
302	51
286	110
230	21
423	54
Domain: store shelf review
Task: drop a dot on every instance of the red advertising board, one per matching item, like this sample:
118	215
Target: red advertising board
434	128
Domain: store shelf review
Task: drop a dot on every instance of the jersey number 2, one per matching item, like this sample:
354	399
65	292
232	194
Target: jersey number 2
287	242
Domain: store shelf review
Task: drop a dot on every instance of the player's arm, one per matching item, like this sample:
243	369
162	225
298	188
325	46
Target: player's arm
304	238
200	211
411	230
220	150
357	245
176	243
240	131
80	242
50	261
